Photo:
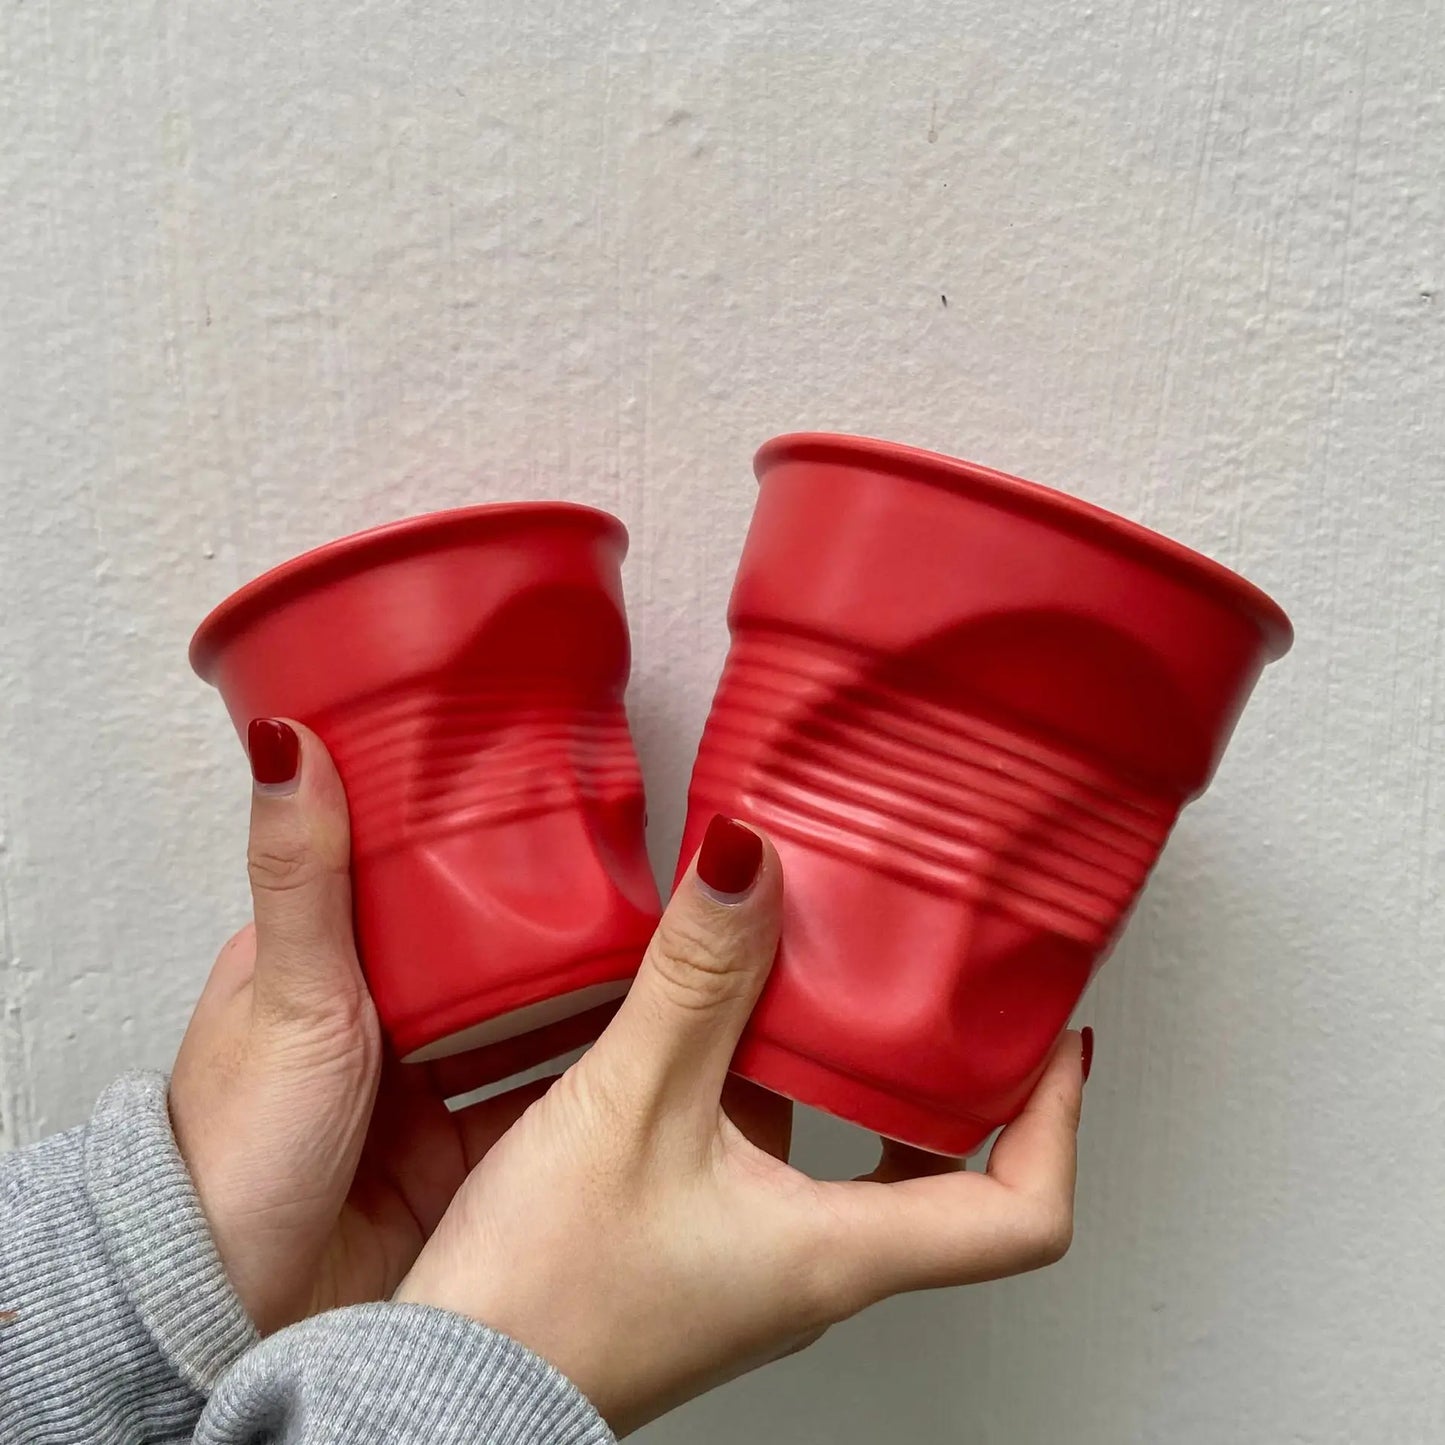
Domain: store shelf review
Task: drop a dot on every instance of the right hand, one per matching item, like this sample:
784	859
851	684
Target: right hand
321	1167
627	1230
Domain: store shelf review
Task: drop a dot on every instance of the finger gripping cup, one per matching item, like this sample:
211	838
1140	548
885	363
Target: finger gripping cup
466	671
968	710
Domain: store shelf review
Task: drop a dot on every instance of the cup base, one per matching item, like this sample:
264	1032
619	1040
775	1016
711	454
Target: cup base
519	1021
805	1081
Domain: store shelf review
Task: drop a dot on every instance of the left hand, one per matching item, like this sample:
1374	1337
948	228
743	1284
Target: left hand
322	1167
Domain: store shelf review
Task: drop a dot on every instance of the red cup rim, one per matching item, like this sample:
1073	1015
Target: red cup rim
366	548
958	475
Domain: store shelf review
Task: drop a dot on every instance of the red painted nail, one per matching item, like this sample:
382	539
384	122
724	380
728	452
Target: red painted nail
730	857
1086	1052
274	750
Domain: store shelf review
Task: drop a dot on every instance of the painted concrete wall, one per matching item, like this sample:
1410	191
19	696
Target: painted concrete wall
271	272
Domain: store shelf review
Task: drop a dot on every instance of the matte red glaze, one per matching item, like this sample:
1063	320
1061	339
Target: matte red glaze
967	709
466	671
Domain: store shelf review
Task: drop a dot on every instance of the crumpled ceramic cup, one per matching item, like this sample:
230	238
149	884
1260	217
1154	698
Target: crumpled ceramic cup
466	670
967	709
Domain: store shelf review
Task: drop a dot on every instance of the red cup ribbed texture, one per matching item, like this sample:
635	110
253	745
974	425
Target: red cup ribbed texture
967	710
466	671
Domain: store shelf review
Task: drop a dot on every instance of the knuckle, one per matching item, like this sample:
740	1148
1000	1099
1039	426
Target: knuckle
1048	1235
280	865
300	985
1071	1109
588	1095
696	966
592	1109
340	1039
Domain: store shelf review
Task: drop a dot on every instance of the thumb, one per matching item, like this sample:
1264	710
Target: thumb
675	1033
298	860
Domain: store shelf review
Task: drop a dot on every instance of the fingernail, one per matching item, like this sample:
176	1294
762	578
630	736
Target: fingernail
275	753
1086	1051
728	862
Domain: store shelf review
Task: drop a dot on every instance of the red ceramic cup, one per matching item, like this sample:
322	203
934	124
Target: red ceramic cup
466	670
967	709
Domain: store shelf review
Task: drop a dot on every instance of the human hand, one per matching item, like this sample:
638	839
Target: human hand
322	1167
627	1230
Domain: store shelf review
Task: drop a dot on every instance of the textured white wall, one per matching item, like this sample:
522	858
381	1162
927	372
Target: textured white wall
272	272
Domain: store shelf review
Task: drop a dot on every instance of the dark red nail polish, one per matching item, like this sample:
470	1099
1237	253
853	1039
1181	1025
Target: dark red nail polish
274	750
730	857
1086	1052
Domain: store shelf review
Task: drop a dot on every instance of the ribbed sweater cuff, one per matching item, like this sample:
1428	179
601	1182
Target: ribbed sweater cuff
392	1374
156	1233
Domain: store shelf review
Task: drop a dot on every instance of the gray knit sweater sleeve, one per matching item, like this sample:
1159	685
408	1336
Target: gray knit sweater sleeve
377	1374
118	1325
118	1316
